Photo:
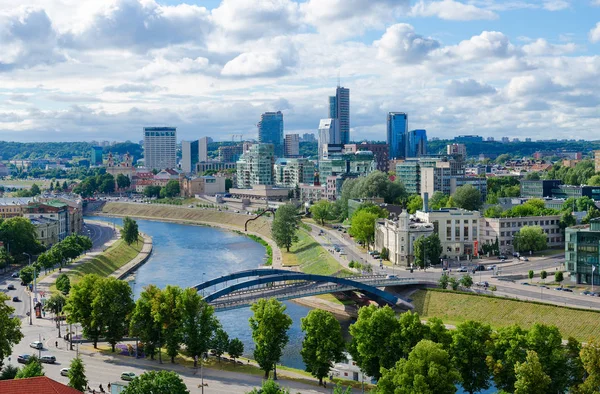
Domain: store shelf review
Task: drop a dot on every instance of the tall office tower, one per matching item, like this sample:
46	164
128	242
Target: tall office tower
160	147
270	131
339	108
329	133
203	148
292	145
397	127
96	159
189	155
416	143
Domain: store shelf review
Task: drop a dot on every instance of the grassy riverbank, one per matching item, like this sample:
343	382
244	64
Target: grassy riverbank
312	258
454	308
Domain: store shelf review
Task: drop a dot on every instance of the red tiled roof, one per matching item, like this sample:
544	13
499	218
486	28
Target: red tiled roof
38	385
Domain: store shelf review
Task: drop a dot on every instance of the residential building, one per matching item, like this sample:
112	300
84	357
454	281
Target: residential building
255	167
582	253
55	210
4	170
458	230
203	148
431	174
457	150
409	173
312	193
231	153
190	155
11	207
46	230
361	163
218	166
96	156
160	147
333	186
329	133
75	212
270	131
504	230
416	143
539	189
339	108
201	185
397	127
505	140
293	172
398	236
348	370
292	145
380	153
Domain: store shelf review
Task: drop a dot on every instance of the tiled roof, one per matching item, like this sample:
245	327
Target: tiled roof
38	385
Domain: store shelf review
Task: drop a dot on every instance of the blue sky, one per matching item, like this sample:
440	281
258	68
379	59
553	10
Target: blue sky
95	70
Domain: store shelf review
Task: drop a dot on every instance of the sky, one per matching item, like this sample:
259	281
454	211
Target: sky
73	70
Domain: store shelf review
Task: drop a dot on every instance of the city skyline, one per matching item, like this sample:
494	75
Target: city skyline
104	70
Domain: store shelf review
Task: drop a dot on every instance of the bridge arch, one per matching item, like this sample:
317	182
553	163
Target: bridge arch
372	292
241	274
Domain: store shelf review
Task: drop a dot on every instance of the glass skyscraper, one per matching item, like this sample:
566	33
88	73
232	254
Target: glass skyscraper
339	108
397	127
270	131
416	143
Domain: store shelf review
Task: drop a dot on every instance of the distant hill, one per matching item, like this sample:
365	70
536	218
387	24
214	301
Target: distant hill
516	149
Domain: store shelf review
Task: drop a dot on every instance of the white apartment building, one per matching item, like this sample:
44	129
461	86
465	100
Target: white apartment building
457	228
160	147
505	229
399	235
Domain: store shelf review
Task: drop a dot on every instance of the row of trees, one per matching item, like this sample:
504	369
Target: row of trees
101	183
62	252
171	189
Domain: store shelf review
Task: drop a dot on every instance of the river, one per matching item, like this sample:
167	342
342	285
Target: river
186	255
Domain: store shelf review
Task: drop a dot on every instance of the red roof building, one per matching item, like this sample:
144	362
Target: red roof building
38	385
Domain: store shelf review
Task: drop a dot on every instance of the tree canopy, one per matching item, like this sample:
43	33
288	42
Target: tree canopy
129	232
363	226
530	238
10	329
467	197
284	226
157	382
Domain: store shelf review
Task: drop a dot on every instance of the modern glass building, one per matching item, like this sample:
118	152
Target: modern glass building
416	143
292	172
255	167
96	156
329	133
352	164
332	107
582	252
270	131
397	126
409	173
160	148
343	112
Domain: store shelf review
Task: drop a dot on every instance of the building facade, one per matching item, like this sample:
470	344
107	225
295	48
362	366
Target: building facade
361	163
231	153
456	149
292	145
160	147
458	230
505	229
203	148
582	253
201	185
293	172
46	230
96	156
218	166
380	153
397	127
54	210
399	235
310	192
11	207
416	143
255	167
190	155
270	131
339	108
329	134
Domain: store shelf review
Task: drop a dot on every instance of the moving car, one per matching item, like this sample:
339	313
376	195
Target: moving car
391	277
22	359
462	269
525	283
480	267
128	376
64	372
36	345
11	287
502	257
568	290
586	292
491	267
48	359
16	299
15	275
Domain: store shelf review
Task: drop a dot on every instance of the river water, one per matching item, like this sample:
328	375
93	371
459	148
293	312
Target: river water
186	255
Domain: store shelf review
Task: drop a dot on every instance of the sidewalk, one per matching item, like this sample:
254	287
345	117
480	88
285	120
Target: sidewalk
137	261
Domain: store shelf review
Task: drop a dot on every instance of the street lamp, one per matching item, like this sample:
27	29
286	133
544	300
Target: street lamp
30	301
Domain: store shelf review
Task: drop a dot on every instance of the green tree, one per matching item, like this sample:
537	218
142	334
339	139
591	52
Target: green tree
143	323
470	342
531	378
590	358
20	234
530	275
269	325
27	274
123	182
428	369
111	308
558	276
543	275
321	211
10	329
284	226
454	283
533	176
374	343
129	232
172	188
79	306
438	200
168	313
77	378
63	283
411	331
363	227
220	342
323	343
156	382
236	348
35	190
415	202
270	387
546	341
152	191
385	253
9	372
438	332
443	281
530	238
467	197
199	325
32	369
508	348
466	281
55	303
594	181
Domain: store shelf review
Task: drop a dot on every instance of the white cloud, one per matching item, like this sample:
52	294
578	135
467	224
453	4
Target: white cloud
594	34
541	47
531	85
402	45
467	88
261	63
132	88
556	5
161	66
489	44
451	10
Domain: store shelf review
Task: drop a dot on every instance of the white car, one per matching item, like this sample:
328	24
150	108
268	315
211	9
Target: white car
36	345
64	372
462	269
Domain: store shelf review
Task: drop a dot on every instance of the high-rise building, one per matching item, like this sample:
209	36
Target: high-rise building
160	147
292	145
416	143
270	131
203	148
329	133
456	150
380	151
255	167
231	153
190	155
96	156
292	172
397	127
341	107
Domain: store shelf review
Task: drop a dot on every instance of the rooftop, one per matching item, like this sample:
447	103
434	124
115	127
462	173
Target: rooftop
37	385
16	200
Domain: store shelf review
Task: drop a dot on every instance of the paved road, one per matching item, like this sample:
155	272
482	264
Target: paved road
98	233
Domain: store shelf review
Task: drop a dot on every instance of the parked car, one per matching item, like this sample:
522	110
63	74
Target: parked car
502	257
568	290
128	376
525	259
23	358
391	277
480	267
558	288
491	267
15	275
525	283
11	287
16	299
48	359
586	292
462	269
545	287
36	345
64	372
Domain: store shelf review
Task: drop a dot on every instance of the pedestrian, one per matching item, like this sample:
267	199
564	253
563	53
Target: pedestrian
108	387
56	343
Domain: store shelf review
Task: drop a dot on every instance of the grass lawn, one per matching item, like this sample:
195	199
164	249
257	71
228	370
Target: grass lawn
454	308
312	257
331	298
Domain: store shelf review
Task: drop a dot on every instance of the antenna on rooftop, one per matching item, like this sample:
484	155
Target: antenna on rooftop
338	79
